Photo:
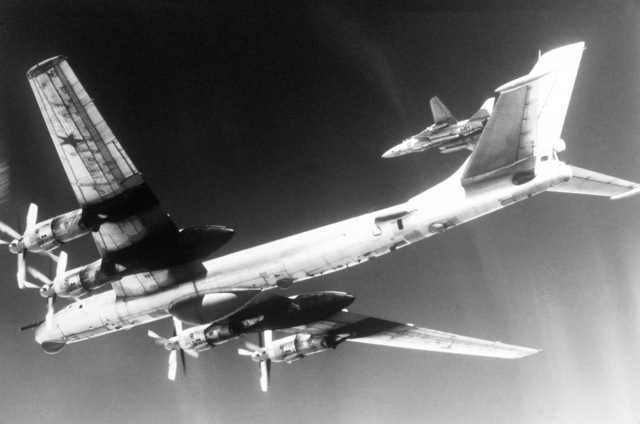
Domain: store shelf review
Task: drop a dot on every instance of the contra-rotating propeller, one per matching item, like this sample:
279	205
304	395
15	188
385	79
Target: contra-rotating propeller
47	290
173	345
14	246
259	354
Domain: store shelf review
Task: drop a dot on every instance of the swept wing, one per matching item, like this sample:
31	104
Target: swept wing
104	179
363	329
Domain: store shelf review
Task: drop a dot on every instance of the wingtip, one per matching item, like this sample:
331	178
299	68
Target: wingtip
45	65
626	194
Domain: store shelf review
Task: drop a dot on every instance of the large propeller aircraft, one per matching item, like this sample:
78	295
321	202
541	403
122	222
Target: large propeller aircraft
157	270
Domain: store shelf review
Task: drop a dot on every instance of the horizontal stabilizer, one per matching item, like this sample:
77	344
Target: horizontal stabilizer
522	81
485	110
596	184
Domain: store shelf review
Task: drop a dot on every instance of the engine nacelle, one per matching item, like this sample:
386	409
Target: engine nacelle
192	338
217	334
203	337
297	347
80	281
53	233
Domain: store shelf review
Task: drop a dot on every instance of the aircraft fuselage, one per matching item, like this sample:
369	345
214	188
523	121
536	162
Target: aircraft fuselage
306	255
447	137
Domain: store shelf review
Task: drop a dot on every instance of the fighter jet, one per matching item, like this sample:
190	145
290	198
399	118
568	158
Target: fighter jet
446	133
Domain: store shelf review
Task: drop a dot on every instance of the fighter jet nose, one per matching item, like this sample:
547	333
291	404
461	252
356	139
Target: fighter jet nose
388	154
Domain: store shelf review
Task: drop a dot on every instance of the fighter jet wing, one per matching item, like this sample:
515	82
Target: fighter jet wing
364	329
106	183
528	117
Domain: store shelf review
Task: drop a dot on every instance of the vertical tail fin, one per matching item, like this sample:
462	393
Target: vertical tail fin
526	122
554	92
441	114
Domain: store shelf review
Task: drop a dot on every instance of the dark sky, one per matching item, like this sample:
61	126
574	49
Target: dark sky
270	118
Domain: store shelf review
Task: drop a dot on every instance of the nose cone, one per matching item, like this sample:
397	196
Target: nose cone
390	153
50	341
260	355
173	343
14	246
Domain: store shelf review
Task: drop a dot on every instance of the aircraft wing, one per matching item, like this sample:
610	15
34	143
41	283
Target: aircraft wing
528	117
104	179
364	329
597	184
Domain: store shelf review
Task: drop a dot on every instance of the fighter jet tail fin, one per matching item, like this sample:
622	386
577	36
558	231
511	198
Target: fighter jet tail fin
441	114
485	110
596	184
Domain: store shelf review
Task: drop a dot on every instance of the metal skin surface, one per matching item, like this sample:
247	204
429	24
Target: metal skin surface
296	347
306	255
514	159
52	233
275	313
460	136
446	133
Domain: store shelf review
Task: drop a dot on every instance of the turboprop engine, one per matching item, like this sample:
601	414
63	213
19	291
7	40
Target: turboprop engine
262	315
203	337
77	282
295	347
53	233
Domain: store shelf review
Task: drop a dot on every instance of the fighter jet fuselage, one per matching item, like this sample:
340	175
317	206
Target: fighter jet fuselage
447	134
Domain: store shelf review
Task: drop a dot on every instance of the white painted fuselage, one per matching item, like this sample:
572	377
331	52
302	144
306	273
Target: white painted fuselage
310	254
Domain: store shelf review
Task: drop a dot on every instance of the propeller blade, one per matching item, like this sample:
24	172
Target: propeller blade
177	325
31	285
244	352
265	368
49	317
153	335
158	339
52	256
184	362
9	231
32	216
173	365
267	337
22	272
39	276
62	264
173	355
252	347
4	242
192	353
